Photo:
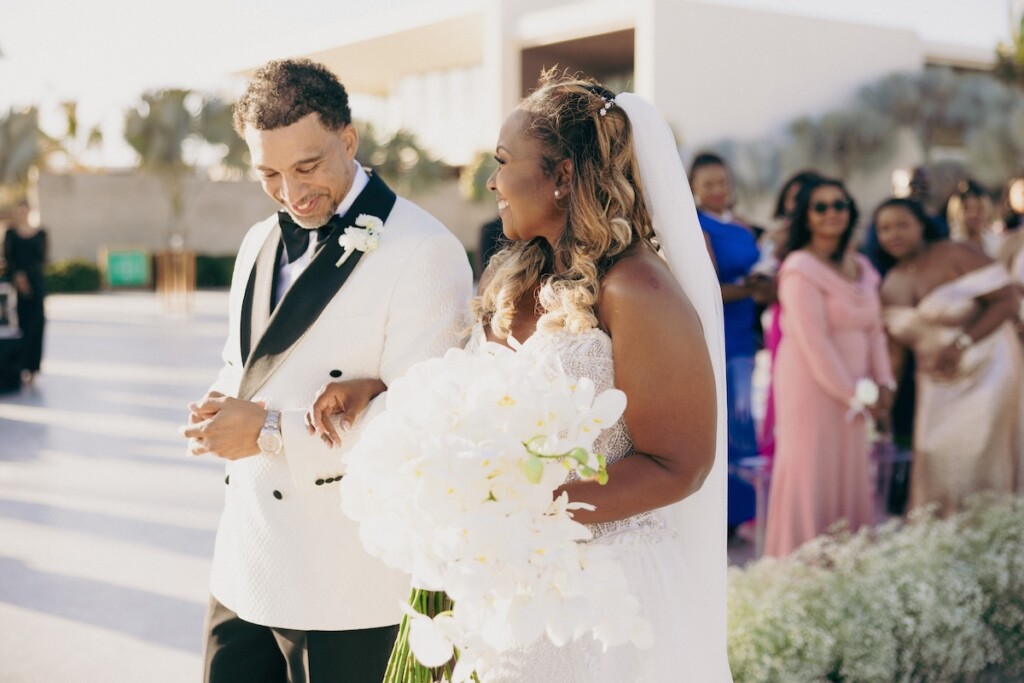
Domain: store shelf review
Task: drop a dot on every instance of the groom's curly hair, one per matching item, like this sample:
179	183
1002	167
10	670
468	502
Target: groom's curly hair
285	90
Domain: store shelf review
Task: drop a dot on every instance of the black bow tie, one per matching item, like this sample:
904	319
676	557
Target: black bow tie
296	237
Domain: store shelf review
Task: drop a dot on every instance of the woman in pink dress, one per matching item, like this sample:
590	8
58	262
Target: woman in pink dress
832	337
773	246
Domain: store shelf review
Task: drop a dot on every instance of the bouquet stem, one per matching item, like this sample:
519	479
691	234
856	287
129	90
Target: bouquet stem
402	665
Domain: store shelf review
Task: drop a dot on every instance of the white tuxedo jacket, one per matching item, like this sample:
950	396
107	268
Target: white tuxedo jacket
285	554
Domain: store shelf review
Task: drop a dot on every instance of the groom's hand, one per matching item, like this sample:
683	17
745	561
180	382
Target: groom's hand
224	426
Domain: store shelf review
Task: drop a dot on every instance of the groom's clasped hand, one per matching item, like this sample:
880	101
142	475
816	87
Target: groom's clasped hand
224	426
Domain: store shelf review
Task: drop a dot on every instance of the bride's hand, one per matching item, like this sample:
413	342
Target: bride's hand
341	400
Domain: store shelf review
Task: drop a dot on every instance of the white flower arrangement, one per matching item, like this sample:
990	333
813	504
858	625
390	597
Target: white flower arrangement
930	600
454	483
363	236
865	395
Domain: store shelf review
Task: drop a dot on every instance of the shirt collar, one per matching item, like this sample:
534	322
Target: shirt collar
359	181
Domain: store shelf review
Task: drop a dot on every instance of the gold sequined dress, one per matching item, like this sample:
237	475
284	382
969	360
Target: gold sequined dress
966	428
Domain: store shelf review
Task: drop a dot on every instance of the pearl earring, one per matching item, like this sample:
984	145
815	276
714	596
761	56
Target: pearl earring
557	194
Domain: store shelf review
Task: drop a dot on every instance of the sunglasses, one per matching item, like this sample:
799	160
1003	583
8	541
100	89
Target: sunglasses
838	205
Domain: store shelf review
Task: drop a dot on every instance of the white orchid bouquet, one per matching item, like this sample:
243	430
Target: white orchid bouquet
455	482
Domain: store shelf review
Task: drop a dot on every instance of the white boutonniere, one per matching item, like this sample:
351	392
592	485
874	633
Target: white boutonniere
865	395
363	236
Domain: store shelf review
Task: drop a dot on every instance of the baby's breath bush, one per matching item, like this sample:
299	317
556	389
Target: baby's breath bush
929	600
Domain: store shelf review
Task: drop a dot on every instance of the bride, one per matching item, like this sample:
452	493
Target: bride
589	186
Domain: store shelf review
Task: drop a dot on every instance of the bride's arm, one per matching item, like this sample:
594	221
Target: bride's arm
663	366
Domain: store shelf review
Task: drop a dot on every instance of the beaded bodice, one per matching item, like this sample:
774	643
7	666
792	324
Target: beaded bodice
589	354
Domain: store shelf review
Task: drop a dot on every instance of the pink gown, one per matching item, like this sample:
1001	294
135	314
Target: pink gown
772	339
832	335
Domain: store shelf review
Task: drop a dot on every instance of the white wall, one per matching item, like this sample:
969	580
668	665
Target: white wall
86	212
722	72
444	110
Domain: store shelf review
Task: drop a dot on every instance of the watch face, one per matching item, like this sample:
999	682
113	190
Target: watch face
269	443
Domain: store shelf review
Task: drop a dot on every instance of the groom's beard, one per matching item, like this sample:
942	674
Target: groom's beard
316	221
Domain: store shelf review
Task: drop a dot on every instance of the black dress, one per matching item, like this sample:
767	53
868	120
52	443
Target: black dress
27	255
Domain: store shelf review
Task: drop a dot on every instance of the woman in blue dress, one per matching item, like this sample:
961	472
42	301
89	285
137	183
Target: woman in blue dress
734	251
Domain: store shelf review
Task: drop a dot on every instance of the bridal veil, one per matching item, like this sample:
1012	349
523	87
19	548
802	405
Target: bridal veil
700	519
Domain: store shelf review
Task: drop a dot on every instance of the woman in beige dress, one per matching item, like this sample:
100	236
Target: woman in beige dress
953	306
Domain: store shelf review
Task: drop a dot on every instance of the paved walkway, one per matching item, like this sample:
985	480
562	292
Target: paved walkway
106	525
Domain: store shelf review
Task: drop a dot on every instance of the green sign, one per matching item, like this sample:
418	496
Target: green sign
128	268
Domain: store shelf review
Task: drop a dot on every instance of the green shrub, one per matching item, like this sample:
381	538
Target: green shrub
72	275
929	600
214	271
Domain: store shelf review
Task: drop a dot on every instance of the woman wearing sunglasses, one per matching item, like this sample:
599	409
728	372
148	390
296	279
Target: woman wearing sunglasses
955	309
832	370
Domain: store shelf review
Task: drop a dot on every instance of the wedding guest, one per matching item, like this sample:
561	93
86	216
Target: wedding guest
25	250
773	248
969	214
586	180
294	597
734	252
953	307
832	343
920	191
902	414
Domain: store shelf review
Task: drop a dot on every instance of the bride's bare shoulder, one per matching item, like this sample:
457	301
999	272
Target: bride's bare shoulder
638	271
640	282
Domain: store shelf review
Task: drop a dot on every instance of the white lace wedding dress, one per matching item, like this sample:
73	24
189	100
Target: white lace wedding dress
645	545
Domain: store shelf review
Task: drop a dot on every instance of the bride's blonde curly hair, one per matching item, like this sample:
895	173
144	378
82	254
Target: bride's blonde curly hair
574	119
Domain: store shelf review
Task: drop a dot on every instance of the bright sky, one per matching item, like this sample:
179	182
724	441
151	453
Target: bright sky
105	53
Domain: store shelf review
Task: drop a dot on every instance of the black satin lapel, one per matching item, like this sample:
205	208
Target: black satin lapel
312	291
245	324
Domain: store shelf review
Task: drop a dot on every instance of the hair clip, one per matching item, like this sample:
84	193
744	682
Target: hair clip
608	102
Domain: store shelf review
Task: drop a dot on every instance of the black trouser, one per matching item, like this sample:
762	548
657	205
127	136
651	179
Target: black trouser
240	652
31	320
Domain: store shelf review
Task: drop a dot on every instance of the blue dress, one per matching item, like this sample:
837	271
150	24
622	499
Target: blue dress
736	253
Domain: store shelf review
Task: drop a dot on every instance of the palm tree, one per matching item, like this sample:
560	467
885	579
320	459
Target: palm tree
215	126
23	146
160	129
75	142
1009	65
842	141
473	177
157	128
922	102
400	160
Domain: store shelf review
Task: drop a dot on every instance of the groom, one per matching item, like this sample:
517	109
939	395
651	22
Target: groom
294	596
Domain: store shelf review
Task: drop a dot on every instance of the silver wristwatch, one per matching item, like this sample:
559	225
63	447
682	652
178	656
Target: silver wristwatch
269	440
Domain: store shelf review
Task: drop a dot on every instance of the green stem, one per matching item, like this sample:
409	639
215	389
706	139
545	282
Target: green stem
402	665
